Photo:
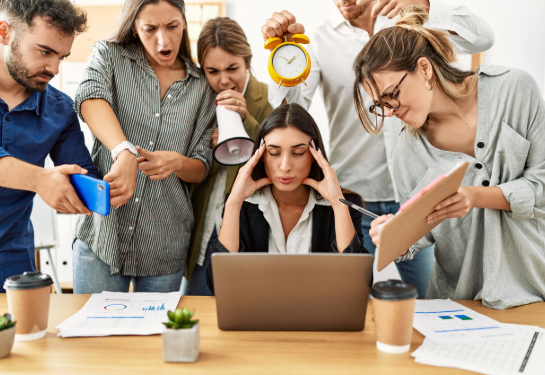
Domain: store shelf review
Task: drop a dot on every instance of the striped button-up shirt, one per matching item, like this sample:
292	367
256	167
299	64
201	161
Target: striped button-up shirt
148	236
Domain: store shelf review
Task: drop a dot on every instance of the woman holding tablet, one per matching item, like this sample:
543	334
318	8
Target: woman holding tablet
492	247
286	198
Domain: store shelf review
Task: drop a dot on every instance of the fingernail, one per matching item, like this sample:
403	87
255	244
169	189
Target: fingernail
262	142
320	151
312	143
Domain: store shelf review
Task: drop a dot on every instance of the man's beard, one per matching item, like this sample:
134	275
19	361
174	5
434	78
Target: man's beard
349	16
20	72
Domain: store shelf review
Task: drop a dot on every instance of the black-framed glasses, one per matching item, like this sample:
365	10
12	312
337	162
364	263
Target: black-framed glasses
389	100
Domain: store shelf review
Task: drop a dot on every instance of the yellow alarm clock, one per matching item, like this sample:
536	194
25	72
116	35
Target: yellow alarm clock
289	62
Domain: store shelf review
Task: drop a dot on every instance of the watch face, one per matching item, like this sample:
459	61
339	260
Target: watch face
289	61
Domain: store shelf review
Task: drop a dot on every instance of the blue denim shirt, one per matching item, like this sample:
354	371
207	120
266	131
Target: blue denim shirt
45	123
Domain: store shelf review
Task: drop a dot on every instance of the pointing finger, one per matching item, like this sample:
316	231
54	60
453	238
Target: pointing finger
145	153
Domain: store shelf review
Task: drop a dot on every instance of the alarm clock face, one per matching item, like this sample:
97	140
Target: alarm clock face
289	61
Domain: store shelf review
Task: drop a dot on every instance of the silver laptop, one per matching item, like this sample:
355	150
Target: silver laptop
288	292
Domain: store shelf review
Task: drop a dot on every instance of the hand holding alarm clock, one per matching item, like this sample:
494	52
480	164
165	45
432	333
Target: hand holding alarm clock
289	63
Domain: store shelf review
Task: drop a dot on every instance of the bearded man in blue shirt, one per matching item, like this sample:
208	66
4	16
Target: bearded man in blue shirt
36	120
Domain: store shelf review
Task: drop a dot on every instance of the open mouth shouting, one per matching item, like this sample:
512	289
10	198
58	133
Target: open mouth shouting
166	54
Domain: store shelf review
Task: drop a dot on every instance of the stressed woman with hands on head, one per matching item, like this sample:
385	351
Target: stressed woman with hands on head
286	198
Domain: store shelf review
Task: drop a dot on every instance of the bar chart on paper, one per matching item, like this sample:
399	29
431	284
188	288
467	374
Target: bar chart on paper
121	314
445	321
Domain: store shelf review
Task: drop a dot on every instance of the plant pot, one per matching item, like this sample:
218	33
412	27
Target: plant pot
6	341
181	345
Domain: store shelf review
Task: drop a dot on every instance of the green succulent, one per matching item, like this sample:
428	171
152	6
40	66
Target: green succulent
6	322
180	318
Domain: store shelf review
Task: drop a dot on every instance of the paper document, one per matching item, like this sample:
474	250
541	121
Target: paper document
109	313
445	321
523	355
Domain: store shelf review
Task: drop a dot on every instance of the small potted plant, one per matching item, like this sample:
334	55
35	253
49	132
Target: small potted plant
181	337
7	334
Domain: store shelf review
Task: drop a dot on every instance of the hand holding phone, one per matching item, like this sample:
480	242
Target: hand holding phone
94	193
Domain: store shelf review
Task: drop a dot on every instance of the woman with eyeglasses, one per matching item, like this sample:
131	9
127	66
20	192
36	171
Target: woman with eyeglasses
491	247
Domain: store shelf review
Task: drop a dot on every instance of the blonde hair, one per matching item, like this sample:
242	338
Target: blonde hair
398	48
227	34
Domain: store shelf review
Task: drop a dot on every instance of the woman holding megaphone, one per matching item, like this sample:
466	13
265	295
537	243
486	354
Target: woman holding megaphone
225	57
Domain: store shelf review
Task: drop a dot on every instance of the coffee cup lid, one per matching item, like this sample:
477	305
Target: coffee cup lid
28	280
393	290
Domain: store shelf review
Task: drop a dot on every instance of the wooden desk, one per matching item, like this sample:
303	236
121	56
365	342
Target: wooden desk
227	352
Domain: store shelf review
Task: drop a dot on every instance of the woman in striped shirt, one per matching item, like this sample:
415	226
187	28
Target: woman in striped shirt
141	88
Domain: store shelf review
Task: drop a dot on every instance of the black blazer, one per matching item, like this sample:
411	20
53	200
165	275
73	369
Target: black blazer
254	232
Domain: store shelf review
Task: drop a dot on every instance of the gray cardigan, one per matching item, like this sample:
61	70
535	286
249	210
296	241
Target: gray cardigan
491	255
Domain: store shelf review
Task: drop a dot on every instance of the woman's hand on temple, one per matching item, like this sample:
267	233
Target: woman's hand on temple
122	178
280	24
329	187
245	185
159	165
374	232
455	206
234	101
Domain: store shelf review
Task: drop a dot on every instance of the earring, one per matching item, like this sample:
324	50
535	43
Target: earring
135	35
429	84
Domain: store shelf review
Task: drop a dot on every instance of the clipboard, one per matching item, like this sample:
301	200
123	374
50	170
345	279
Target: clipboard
409	225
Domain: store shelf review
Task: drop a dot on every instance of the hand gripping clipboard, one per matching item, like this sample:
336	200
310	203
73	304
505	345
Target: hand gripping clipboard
410	225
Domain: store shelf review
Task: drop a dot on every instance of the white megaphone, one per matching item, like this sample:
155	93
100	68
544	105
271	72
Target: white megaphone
234	145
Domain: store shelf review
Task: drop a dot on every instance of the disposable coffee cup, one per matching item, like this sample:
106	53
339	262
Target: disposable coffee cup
393	303
28	301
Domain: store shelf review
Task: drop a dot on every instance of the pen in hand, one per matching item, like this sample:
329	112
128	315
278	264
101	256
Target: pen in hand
358	208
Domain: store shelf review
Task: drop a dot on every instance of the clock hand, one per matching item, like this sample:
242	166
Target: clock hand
293	58
284	58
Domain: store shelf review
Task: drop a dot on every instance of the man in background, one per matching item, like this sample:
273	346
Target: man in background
36	120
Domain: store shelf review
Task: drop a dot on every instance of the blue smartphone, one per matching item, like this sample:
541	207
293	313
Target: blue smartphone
93	193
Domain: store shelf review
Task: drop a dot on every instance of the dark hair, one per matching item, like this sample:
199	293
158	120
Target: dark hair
398	48
227	34
131	10
285	116
61	14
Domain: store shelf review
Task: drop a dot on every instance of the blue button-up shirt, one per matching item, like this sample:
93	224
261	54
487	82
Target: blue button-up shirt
45	123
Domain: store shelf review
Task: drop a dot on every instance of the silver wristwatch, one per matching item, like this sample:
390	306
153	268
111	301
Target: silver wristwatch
125	145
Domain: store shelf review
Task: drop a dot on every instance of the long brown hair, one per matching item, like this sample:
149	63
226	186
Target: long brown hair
285	116
398	48
131	10
227	34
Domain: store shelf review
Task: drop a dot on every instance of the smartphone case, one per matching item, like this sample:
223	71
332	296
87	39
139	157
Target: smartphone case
94	193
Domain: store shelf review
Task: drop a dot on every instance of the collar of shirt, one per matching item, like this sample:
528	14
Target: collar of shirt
299	239
32	103
136	52
337	20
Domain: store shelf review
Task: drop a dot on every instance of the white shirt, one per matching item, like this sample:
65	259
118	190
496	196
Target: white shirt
300	238
363	161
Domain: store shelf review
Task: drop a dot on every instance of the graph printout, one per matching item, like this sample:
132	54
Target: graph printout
111	313
445	321
523	355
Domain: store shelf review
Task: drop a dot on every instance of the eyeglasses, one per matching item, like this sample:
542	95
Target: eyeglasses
389	100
